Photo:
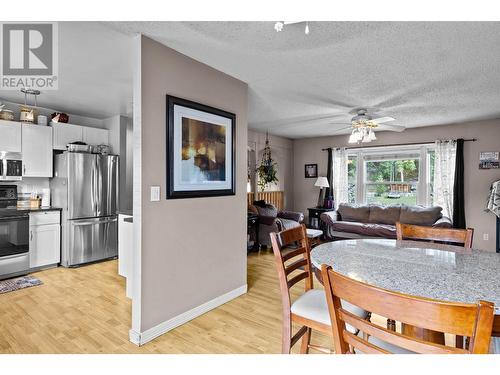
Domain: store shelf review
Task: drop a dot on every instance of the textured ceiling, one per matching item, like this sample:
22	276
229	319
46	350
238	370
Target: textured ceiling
420	73
95	72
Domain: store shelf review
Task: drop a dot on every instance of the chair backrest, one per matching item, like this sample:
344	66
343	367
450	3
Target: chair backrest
292	257
471	320
462	237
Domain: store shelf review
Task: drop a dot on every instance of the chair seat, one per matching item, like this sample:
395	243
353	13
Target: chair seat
384	345
312	305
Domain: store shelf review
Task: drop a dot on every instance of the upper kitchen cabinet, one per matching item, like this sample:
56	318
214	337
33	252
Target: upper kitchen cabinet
66	133
10	136
95	136
37	150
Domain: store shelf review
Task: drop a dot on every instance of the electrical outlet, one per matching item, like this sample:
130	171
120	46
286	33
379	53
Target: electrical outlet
155	194
486	236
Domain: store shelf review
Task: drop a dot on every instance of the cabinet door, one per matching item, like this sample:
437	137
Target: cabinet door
66	133
37	150
95	136
44	245
10	136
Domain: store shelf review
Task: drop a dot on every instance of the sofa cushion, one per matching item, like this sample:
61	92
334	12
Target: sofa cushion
365	229
268	210
384	214
420	215
354	213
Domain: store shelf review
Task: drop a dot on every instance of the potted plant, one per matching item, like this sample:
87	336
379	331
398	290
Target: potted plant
267	171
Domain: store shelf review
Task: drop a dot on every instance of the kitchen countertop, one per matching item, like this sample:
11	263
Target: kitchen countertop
19	211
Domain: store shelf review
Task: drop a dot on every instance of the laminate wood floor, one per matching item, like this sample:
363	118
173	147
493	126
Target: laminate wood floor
84	310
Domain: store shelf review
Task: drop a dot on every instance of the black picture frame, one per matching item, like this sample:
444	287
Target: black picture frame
171	102
307	174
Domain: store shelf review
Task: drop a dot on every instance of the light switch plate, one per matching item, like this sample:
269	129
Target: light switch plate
155	194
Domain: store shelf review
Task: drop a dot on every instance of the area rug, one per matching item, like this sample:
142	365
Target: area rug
18	283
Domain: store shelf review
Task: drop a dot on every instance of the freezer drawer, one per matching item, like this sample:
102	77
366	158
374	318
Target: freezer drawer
91	240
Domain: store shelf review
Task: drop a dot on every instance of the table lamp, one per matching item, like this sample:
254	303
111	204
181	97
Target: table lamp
321	182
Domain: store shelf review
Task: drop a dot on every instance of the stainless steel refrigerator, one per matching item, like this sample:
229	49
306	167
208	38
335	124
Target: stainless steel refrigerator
85	186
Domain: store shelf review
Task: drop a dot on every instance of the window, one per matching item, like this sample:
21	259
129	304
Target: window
391	175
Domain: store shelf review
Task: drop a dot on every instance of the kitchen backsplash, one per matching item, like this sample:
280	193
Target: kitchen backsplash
29	185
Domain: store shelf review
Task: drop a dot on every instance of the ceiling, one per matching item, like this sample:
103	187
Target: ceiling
304	85
95	72
299	85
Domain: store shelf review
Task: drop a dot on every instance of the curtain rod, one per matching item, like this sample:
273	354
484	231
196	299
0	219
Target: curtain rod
395	144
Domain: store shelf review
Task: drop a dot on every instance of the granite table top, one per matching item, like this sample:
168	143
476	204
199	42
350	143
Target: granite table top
430	270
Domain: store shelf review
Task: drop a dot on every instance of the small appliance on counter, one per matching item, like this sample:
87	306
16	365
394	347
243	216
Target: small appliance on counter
45	197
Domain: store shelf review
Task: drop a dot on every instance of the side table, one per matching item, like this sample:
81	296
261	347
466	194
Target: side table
314	217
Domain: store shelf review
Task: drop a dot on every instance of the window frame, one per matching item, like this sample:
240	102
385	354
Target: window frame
423	151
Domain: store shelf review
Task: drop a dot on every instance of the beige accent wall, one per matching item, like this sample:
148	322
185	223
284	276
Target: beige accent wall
193	250
477	182
282	153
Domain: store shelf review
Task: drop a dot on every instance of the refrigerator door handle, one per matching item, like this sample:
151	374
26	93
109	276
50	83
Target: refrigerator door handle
94	221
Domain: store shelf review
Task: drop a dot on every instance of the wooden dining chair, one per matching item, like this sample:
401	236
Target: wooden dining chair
472	320
459	237
292	257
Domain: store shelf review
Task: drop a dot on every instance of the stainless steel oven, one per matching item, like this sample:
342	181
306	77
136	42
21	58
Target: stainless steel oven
14	244
11	168
14	235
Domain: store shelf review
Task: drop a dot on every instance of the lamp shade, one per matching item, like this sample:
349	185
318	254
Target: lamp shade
322	182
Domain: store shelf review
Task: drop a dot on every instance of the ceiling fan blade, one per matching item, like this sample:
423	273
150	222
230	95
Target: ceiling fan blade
396	128
381	120
341	129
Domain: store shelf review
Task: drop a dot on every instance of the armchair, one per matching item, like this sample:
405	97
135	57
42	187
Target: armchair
272	220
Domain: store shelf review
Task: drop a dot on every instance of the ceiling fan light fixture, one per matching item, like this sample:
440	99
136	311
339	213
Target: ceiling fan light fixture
353	138
278	26
371	135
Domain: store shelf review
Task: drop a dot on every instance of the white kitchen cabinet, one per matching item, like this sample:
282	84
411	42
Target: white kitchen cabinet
95	136
37	150
45	239
64	134
10	136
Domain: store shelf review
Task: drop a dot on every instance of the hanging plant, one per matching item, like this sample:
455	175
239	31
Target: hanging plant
267	171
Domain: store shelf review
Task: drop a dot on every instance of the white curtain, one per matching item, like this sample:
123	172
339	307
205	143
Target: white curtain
444	175
340	182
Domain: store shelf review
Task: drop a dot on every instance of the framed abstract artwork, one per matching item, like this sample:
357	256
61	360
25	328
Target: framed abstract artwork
200	150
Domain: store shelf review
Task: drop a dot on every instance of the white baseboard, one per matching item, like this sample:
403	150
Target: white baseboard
139	338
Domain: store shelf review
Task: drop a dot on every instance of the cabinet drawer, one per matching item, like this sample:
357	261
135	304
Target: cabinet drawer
44	218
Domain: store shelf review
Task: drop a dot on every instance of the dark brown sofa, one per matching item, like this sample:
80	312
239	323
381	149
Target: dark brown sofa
366	221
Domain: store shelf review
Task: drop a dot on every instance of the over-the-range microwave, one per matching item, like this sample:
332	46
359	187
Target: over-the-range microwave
11	166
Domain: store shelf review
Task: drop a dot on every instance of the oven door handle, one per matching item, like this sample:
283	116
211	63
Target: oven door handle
14	218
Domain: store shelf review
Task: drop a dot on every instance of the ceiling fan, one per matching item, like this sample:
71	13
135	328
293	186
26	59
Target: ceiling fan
363	125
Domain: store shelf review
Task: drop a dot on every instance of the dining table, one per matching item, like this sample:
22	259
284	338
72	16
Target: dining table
425	269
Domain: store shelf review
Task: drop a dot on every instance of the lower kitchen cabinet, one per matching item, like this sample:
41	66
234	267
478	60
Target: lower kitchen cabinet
44	239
